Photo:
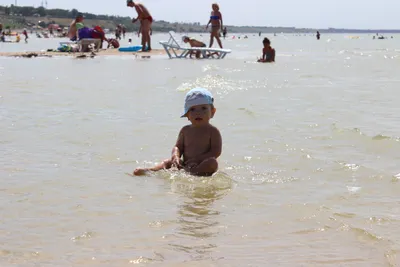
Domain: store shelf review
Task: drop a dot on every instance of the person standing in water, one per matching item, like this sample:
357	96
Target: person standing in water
145	21
216	24
224	32
25	33
318	35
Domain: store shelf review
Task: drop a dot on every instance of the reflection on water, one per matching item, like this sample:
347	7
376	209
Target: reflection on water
198	215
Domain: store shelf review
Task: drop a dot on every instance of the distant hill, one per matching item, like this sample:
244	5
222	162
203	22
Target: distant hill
18	17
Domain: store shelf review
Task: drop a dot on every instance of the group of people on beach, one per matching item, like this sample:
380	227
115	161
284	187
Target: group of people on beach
3	35
216	22
77	31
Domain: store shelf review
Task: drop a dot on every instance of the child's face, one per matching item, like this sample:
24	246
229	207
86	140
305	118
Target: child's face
200	114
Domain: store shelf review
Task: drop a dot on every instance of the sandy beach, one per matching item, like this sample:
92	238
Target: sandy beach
102	52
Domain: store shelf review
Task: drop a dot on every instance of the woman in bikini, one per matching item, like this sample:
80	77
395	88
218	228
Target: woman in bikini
216	24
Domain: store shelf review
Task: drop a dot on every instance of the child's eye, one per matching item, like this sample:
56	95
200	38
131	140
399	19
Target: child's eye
192	109
204	108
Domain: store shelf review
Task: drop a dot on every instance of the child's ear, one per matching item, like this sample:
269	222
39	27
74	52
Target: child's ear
213	112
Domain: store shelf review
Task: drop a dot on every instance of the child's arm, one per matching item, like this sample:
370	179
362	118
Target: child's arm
264	55
177	150
208	23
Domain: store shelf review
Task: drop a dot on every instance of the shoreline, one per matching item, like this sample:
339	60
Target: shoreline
101	52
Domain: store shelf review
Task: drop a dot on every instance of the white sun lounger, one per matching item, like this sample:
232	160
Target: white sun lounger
174	49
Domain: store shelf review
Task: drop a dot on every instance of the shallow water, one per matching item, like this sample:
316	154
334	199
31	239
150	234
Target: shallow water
309	174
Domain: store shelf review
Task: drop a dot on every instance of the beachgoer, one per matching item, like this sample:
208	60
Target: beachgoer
268	52
145	20
118	32
73	31
123	30
199	144
17	38
194	43
216	24
25	33
224	32
318	35
112	43
1	28
3	37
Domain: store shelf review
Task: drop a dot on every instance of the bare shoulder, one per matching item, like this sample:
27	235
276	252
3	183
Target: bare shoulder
185	129
214	130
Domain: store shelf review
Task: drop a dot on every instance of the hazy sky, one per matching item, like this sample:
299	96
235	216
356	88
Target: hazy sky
361	14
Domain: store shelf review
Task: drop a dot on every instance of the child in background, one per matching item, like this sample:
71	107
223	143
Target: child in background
112	43
268	52
25	33
199	144
193	43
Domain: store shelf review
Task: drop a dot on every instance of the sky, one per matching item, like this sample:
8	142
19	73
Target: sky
354	14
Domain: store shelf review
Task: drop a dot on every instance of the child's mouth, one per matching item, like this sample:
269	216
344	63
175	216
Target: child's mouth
198	119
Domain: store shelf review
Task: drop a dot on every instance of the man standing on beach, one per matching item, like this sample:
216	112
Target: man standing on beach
145	21
72	27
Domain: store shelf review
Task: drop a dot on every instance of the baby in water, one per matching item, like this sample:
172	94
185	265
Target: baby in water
199	144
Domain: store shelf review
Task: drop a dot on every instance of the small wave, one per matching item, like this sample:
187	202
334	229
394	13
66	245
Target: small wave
357	131
309	231
361	233
247	111
349	166
384	137
345	214
141	260
85	235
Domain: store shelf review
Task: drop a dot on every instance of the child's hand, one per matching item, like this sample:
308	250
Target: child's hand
176	162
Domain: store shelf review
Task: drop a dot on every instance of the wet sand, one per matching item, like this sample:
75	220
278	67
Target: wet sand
102	52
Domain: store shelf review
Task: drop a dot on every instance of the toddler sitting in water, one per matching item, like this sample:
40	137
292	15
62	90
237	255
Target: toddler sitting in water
199	144
268	52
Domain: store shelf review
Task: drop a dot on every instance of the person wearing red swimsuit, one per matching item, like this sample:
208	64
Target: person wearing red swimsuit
145	20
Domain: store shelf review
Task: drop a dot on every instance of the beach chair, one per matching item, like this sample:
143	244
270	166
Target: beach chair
176	49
